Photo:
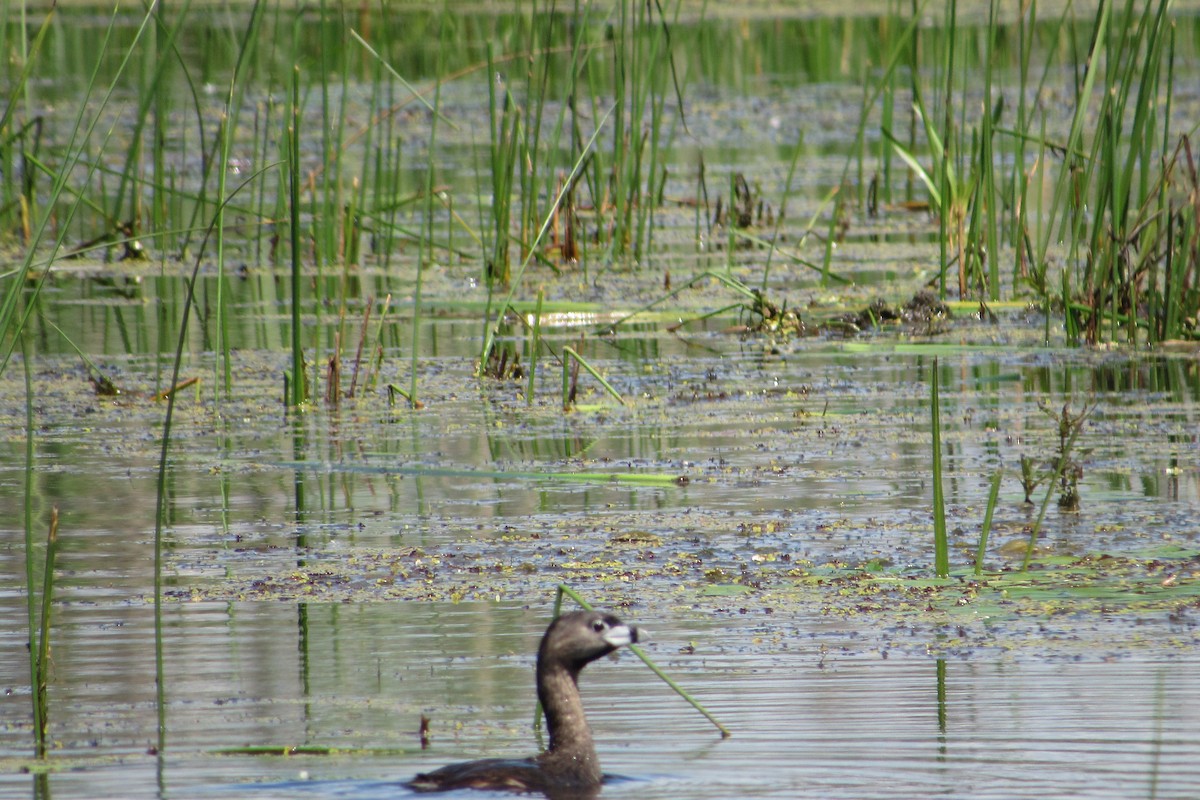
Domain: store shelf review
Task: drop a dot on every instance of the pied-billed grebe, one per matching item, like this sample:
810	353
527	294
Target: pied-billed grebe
569	767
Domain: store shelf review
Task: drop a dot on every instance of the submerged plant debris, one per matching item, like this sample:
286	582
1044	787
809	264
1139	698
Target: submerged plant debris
783	490
1072	603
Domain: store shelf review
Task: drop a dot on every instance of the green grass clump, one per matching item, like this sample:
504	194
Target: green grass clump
1044	144
1113	249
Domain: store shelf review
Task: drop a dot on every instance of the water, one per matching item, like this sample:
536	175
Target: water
809	719
311	563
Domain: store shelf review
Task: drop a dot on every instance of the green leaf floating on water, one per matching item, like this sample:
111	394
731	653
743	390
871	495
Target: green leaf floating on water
1155	579
726	590
635	478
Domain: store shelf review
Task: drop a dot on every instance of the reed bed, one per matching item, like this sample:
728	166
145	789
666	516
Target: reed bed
1048	180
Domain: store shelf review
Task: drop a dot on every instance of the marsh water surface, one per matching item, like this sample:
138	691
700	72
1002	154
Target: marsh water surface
813	716
760	501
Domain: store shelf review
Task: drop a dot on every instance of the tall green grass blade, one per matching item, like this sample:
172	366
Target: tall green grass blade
226	136
737	286
151	96
904	44
425	254
949	212
64	177
987	163
564	589
941	556
505	123
993	495
567	355
432	107
22	194
1062	193
535	346
299	377
20	83
1064	458
773	246
490	335
931	185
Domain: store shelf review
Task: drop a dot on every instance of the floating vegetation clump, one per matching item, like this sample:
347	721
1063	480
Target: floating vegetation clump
923	311
765	318
1057	591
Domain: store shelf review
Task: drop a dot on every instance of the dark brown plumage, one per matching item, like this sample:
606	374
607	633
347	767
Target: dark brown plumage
569	767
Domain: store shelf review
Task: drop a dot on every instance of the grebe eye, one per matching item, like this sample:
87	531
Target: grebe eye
598	625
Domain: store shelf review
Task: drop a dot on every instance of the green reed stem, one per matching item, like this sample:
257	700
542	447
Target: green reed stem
150	95
993	208
566	381
224	145
394	390
426	249
299	380
1064	191
733	283
941	555
1063	458
535	346
621	43
905	44
679	690
504	121
537	79
20	89
64	178
570	352
432	107
948	212
987	521
375	359
489	338
772	246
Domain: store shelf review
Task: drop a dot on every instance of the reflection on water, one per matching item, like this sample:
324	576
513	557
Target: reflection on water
826	456
811	449
807	722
